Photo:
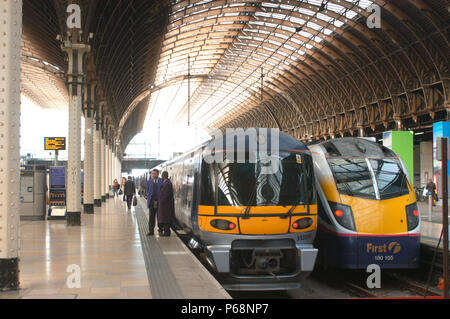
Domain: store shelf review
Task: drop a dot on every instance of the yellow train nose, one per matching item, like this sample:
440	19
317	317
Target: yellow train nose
379	217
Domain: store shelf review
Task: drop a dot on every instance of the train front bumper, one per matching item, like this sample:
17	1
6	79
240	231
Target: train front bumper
291	251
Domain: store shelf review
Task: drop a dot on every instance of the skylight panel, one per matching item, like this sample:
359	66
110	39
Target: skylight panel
297	41
281	35
306	34
327	31
269	5
324	17
306	11
335	8
263	14
287	46
318	39
278	16
338	23
274	42
365	4
350	14
286	7
314	26
297	20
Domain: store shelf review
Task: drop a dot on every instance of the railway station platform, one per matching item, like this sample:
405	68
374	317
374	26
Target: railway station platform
115	258
430	229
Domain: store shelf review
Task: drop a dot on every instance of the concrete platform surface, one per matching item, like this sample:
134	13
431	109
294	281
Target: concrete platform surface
106	257
430	224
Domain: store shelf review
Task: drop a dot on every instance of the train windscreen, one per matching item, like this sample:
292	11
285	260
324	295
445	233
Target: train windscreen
369	178
248	184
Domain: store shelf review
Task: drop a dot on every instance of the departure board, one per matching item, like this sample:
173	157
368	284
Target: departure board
54	143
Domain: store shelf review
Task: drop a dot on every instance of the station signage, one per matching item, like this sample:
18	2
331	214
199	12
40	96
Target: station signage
54	143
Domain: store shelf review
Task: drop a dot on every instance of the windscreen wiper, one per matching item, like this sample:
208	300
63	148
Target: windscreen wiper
249	205
290	210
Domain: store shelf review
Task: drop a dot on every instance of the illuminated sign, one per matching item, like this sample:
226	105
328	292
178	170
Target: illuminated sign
55	143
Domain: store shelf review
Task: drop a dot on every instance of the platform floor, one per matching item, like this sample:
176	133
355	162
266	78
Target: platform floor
430	229
115	261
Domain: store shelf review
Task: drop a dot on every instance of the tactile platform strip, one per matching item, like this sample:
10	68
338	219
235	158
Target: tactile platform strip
162	281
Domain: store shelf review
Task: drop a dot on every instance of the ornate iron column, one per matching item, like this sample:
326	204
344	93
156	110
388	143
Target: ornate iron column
76	50
97	158
106	163
10	58
102	160
88	199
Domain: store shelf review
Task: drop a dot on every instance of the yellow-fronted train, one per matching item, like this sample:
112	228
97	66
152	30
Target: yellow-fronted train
366	205
247	199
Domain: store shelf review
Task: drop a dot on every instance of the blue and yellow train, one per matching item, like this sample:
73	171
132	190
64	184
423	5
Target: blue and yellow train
367	207
256	225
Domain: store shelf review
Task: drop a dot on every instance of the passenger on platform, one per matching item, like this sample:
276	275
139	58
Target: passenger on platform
166	209
122	184
431	188
143	187
129	191
116	187
153	191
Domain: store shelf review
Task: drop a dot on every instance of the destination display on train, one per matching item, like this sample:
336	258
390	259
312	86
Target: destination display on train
54	143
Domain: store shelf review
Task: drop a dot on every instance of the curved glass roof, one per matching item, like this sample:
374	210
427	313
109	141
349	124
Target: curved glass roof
233	42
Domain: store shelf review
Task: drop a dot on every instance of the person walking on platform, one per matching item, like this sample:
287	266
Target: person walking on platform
129	191
116	187
166	208
431	188
153	191
143	187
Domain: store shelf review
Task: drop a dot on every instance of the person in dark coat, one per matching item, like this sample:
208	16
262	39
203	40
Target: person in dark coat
431	188
166	208
129	191
153	190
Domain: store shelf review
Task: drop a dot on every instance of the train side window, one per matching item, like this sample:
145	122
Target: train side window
207	185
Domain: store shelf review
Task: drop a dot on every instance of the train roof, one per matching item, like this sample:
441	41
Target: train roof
241	137
354	147
286	143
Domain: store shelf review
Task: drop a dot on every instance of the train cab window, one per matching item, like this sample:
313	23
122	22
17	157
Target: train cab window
369	178
353	177
391	180
242	184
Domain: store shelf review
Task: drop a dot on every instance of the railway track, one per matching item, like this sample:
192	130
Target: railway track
352	283
414	286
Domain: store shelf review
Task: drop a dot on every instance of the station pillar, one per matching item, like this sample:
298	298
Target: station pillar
10	58
113	170
102	168
106	166
76	51
88	199
108	185
97	161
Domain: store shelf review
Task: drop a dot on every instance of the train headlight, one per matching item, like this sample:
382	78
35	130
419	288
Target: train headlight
412	216
303	223
223	224
343	215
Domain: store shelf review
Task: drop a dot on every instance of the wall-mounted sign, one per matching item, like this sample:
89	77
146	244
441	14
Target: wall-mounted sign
54	143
